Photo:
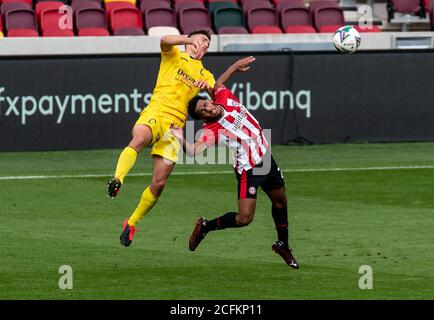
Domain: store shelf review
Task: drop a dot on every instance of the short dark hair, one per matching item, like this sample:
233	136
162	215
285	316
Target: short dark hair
205	32
192	104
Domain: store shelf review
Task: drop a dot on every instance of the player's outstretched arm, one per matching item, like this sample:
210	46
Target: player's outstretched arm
169	41
240	65
190	149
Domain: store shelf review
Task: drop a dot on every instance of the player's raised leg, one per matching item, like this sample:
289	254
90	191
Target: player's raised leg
160	174
142	136
244	216
279	212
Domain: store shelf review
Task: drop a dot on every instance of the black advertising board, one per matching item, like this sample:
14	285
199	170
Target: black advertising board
84	102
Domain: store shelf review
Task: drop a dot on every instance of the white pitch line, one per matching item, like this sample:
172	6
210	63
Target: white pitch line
194	173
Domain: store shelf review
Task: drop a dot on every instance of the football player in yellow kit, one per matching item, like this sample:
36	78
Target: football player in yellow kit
180	78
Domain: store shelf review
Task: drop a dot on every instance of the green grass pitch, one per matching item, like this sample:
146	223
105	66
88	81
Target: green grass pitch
339	220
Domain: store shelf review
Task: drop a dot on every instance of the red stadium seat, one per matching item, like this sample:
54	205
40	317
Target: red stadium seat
266	30
40	6
255	4
26	1
128	32
296	20
233	1
50	24
22	33
158	17
133	2
284	4
329	28
185	5
315	4
328	19
406	6
129	19
412	7
117	5
263	20
93	32
371	29
180	1
99	2
85	4
91	21
57	33
17	20
194	18
153	4
300	29
5	7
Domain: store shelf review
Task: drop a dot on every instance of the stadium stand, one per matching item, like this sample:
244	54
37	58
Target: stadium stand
234	16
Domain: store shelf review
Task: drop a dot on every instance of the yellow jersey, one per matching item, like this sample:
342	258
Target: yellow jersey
174	88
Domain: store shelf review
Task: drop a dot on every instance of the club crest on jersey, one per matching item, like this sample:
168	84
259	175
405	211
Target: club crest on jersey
252	190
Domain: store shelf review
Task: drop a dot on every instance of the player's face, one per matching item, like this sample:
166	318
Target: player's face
206	110
203	39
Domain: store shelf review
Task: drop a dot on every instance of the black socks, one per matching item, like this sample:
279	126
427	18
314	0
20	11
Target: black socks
225	221
280	217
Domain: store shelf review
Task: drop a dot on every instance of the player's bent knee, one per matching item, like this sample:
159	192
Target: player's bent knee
157	186
280	202
244	220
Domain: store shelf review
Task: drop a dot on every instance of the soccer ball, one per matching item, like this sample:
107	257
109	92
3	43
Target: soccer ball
346	39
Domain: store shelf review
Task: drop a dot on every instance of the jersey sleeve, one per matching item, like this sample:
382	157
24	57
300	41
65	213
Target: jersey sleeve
209	78
222	94
209	135
172	53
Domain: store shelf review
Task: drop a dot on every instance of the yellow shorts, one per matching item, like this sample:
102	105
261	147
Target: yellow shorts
164	142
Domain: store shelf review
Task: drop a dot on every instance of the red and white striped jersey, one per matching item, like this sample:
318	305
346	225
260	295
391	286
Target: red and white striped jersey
238	129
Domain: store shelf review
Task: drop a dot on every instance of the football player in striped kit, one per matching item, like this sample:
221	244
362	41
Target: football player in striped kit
229	122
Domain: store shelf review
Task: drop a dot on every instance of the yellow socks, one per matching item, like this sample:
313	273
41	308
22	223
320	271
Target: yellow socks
147	201
126	161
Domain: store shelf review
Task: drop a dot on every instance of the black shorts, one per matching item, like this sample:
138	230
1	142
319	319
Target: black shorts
248	181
